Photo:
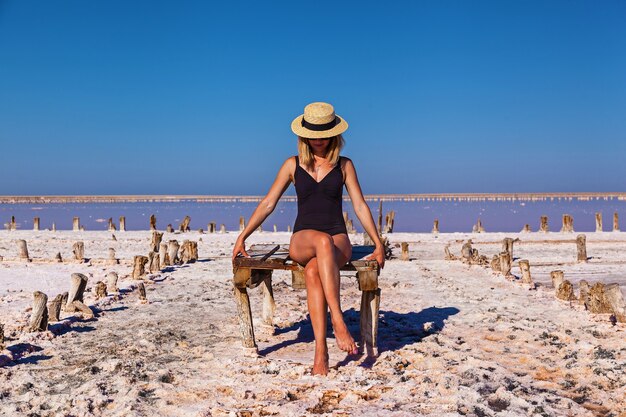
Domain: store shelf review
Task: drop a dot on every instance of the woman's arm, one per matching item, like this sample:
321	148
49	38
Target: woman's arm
362	211
266	206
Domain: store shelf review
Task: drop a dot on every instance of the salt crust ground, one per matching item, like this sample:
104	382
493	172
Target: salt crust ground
454	339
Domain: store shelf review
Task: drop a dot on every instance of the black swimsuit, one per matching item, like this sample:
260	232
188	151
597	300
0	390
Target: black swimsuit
319	203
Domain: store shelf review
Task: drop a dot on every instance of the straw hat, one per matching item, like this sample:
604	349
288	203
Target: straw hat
318	121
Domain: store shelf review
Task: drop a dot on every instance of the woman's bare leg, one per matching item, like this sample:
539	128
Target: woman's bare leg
308	244
318	308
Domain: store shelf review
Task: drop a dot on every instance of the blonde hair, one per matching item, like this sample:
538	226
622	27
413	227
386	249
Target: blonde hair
332	152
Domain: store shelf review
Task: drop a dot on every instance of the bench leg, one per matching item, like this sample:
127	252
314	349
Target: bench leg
245	320
269	306
370	304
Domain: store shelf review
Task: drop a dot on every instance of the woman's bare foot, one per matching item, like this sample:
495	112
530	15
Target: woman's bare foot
343	337
320	363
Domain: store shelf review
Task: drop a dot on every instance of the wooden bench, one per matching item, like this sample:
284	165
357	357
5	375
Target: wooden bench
257	270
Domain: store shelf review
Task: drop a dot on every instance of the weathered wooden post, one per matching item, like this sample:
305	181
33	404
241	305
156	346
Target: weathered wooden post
598	222
13	224
22	250
142	293
478	227
112	259
389	221
184	226
54	308
112	282
77	289
379	224
242	224
543	225
288	228
189	252
245	319
153	262
76	224
505	264
122	223
1	336
568	224
155	241
405	252
564	290
223	228
153	222
36	224
101	290
39	318
269	305
611	300
275	229
583	294
581	246
615	222
526	228
58	257
435	226
524	266
557	278
211	227
54	227
139	266
78	249
507	246
466	251
169	228
164	259
172	251
110	225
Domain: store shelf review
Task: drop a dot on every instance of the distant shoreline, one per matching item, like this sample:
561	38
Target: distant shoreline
61	199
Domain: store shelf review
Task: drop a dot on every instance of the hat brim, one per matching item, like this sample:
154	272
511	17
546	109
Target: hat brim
298	129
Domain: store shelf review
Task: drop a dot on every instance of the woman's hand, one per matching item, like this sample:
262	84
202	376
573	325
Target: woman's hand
378	255
240	248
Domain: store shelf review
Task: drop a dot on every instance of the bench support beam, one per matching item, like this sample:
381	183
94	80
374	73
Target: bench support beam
370	304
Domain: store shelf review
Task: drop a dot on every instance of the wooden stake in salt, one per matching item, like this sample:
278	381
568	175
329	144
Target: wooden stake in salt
524	266
112	282
152	222
155	241
22	250
172	251
36	224
615	222
170	229
122	223
101	290
543	226
77	289
184	226
435	226
76	224
242	223
164	259
405	252
39	318
581	247
78	249
54	308
142	293
598	222
139	266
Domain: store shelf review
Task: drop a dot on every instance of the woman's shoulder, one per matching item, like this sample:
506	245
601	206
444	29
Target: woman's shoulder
344	160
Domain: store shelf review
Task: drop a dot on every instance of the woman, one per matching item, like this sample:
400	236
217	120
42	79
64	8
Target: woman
319	241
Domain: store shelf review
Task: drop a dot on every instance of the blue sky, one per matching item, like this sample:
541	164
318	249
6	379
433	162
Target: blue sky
189	97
